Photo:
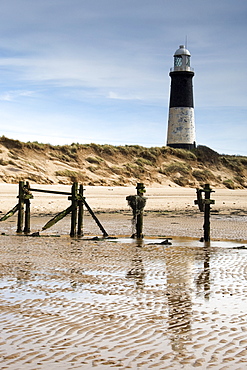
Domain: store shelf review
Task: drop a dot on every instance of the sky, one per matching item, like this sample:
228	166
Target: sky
97	71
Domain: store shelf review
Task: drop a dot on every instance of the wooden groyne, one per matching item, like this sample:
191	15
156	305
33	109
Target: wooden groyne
78	203
76	208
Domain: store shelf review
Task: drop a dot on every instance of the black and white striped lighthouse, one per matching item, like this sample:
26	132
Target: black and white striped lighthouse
181	125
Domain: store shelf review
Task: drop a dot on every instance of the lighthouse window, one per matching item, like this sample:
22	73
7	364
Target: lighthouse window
188	61
178	61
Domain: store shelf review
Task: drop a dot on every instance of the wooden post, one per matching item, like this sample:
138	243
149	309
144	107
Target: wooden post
20	207
57	218
74	201
199	200
27	217
137	203
10	213
204	206
139	225
80	212
140	189
27	197
206	225
95	218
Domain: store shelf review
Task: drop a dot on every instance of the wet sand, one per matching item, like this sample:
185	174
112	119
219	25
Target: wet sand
71	303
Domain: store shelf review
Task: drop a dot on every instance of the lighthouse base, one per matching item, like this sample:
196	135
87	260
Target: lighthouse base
181	128
183	146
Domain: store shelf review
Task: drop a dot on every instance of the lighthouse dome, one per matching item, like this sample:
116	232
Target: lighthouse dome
182	60
182	51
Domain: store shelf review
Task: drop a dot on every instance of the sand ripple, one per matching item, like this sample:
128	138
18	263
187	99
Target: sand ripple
72	304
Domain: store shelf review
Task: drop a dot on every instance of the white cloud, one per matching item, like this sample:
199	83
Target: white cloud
15	94
113	95
108	76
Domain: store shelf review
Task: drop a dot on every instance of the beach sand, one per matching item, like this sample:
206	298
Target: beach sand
78	303
168	212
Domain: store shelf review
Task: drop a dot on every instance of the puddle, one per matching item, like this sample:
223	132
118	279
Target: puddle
181	242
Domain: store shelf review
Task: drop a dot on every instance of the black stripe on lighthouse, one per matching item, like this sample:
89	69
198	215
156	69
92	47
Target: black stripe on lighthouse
181	94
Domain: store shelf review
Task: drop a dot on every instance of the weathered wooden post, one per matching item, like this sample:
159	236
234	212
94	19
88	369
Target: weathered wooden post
27	217
74	202
80	212
27	197
24	202
140	189
20	207
199	199
204	206
207	202
137	203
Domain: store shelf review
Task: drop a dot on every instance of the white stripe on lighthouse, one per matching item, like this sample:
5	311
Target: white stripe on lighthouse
181	127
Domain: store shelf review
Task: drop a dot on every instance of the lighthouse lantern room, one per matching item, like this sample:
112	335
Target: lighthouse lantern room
181	125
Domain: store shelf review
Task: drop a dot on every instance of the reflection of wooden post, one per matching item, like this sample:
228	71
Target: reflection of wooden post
80	212
207	272
73	198
20	207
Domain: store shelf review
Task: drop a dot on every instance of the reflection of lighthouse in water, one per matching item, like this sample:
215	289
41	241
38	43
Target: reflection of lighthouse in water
181	126
179	272
183	270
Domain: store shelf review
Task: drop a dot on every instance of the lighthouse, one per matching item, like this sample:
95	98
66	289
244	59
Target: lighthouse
181	125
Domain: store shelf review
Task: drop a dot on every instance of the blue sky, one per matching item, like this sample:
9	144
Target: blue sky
98	70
